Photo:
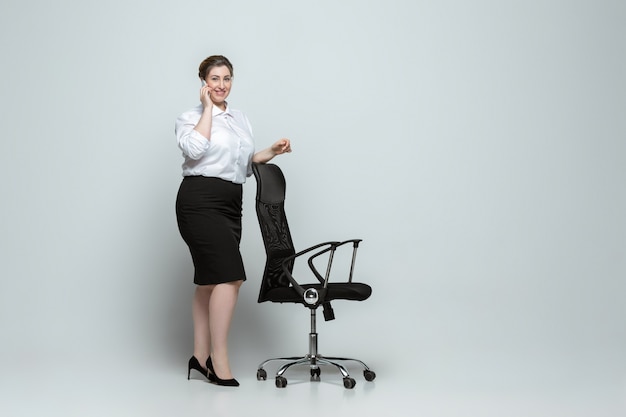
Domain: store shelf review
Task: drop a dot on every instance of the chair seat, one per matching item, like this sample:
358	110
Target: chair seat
335	291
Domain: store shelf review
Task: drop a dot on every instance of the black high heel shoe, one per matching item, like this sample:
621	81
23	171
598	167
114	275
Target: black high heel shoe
219	381
195	364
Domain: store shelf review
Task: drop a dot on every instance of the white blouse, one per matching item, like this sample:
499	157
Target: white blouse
228	155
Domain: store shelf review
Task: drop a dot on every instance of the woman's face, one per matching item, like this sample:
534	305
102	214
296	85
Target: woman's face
219	81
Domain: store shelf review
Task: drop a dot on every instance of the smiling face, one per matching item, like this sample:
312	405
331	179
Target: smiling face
219	79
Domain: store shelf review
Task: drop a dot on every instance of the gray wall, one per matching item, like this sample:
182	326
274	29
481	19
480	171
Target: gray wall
477	147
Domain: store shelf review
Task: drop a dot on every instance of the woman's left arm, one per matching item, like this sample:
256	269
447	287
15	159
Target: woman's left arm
278	148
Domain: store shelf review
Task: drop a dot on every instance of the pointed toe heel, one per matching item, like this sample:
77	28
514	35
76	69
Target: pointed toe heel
216	379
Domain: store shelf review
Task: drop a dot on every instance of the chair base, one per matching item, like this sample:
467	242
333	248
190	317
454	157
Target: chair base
314	362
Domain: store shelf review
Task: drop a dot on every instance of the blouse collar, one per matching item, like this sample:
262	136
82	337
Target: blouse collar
217	111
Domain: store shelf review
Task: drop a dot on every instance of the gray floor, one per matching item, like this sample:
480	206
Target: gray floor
46	385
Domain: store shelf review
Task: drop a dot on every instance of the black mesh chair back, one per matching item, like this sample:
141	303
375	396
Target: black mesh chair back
270	208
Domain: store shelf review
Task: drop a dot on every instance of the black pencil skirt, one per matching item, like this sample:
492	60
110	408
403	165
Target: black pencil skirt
208	211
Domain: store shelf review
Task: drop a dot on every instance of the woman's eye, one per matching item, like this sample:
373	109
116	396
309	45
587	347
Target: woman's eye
217	80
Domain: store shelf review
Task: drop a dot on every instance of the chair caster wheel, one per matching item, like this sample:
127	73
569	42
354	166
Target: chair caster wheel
281	382
369	375
349	383
261	375
315	373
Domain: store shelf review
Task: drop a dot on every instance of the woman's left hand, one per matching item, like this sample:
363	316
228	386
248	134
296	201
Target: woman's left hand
281	146
278	148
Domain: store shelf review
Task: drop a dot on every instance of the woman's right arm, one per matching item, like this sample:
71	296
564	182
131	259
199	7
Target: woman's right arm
194	138
204	124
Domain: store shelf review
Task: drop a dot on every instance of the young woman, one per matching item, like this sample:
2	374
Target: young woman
218	150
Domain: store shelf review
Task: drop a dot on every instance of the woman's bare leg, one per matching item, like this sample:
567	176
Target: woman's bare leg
221	309
201	329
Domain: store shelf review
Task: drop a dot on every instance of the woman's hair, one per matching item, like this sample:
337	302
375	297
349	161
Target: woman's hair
214	61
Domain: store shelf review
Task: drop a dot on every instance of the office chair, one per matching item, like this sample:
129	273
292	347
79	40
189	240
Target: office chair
280	286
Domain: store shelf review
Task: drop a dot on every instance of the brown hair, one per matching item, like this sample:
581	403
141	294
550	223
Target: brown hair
214	61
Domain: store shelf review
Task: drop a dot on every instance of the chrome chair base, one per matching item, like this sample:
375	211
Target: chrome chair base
314	360
314	363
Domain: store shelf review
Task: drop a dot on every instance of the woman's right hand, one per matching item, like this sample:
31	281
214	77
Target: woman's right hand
205	97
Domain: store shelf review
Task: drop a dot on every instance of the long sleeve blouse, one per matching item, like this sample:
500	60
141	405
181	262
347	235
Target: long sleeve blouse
226	155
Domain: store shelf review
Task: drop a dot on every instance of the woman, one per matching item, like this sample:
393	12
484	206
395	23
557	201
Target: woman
218	149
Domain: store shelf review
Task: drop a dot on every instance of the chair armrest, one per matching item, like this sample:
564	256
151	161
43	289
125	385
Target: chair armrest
324	280
287	261
331	246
